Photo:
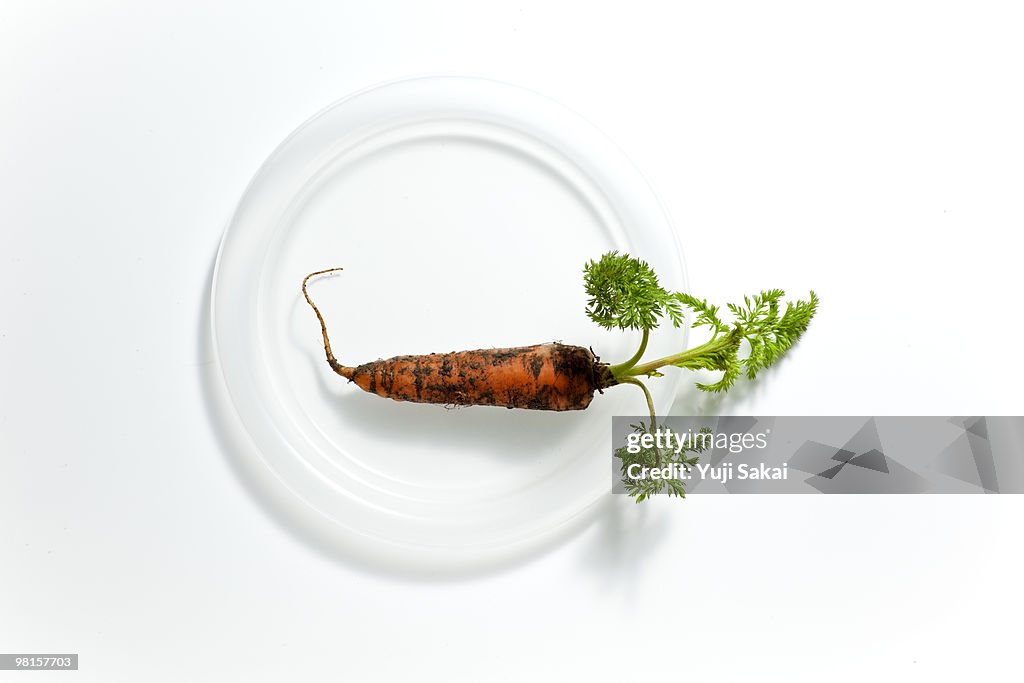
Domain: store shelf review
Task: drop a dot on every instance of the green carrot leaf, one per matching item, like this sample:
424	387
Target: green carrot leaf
624	293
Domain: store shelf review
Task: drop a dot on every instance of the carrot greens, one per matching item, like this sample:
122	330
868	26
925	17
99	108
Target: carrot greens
624	293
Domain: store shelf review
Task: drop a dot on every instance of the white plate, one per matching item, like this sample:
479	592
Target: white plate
463	211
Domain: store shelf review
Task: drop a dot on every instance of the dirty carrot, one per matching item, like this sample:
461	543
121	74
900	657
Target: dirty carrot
540	377
623	293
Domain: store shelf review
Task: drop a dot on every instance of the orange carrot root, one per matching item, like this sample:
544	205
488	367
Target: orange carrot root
540	377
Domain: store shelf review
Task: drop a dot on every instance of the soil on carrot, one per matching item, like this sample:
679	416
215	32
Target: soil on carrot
541	377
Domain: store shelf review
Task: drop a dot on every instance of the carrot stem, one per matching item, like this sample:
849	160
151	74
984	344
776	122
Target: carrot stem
692	359
621	368
647	395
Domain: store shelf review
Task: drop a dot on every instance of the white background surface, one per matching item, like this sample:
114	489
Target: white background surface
871	152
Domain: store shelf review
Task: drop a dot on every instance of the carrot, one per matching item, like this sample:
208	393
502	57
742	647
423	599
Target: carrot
540	377
623	294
